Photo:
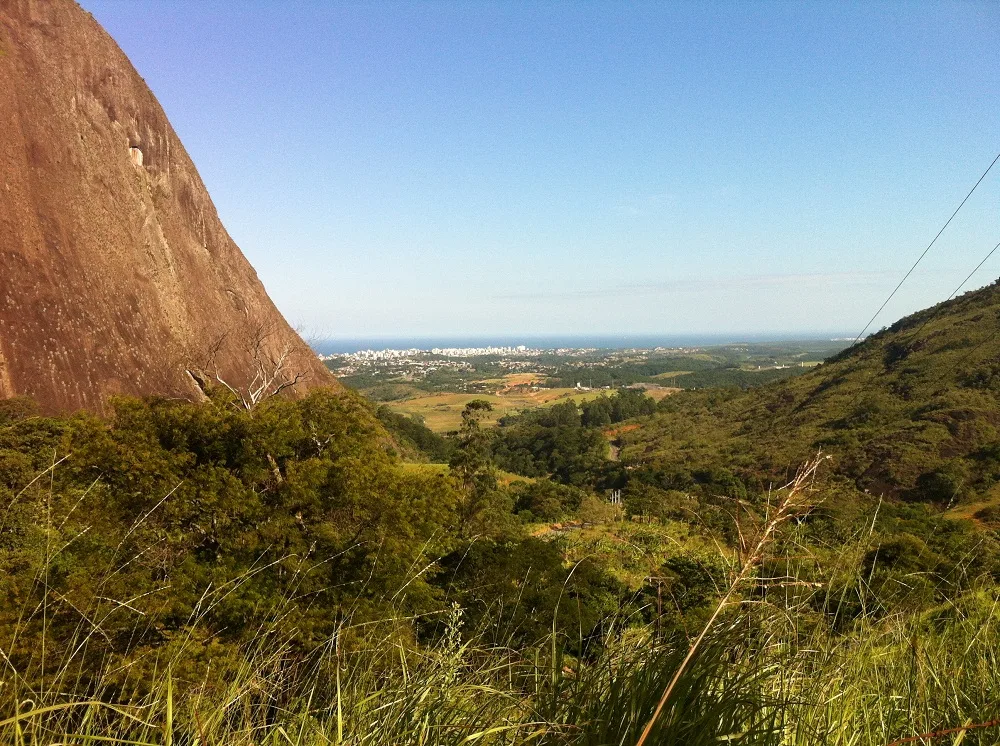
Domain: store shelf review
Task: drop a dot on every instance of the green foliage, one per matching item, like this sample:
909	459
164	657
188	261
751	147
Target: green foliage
172	513
908	413
547	500
181	573
649	501
608	374
515	592
740	366
190	572
737	378
549	441
418	441
692	581
563	441
624	405
486	509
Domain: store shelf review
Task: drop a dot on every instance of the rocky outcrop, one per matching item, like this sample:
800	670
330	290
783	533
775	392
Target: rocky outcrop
116	275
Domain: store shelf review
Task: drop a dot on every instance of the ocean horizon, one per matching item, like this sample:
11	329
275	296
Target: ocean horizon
346	345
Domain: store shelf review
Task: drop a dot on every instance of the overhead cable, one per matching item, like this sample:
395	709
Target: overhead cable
931	244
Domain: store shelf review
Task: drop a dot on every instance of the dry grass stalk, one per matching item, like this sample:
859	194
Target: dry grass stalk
792	504
961	730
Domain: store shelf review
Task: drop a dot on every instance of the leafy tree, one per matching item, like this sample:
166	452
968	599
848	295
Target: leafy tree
629	403
171	514
597	412
546	499
486	508
649	501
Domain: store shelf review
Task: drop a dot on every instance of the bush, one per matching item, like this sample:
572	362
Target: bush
547	500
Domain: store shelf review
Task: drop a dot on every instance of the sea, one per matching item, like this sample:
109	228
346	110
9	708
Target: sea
341	346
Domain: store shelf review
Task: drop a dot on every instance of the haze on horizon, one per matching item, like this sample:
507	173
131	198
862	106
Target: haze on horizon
483	168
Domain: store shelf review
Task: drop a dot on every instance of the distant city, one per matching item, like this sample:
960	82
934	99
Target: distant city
414	361
459	352
474	346
520	352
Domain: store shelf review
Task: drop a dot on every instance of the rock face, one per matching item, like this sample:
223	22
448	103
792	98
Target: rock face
116	275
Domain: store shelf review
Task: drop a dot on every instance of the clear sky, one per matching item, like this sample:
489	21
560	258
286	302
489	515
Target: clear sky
484	168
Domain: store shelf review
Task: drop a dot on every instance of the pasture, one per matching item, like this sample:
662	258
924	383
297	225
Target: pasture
442	413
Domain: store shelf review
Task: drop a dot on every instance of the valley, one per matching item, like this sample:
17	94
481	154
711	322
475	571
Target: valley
434	385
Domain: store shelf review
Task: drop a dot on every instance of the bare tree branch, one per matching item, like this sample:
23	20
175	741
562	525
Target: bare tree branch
269	372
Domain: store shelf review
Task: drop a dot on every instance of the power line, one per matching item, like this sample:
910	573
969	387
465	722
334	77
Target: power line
934	314
955	292
982	342
921	257
864	385
992	251
978	266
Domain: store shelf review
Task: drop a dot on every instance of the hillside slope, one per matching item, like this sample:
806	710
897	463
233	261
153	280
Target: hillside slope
116	275
911	412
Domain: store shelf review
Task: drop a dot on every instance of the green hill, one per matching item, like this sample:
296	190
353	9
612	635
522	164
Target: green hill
911	412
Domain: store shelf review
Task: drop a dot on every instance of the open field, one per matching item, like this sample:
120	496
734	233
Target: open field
670	375
504	477
990	501
443	412
513	380
658	392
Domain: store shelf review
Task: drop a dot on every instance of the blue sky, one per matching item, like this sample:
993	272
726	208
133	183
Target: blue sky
481	168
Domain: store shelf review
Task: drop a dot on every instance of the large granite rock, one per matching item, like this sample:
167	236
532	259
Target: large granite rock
116	275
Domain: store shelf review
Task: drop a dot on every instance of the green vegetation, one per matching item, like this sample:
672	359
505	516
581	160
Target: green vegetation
322	570
550	441
610	371
417	441
740	366
728	378
911	413
624	405
523	647
442	413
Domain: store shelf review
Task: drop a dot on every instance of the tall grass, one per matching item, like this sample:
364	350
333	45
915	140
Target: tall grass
450	693
756	673
887	681
903	676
